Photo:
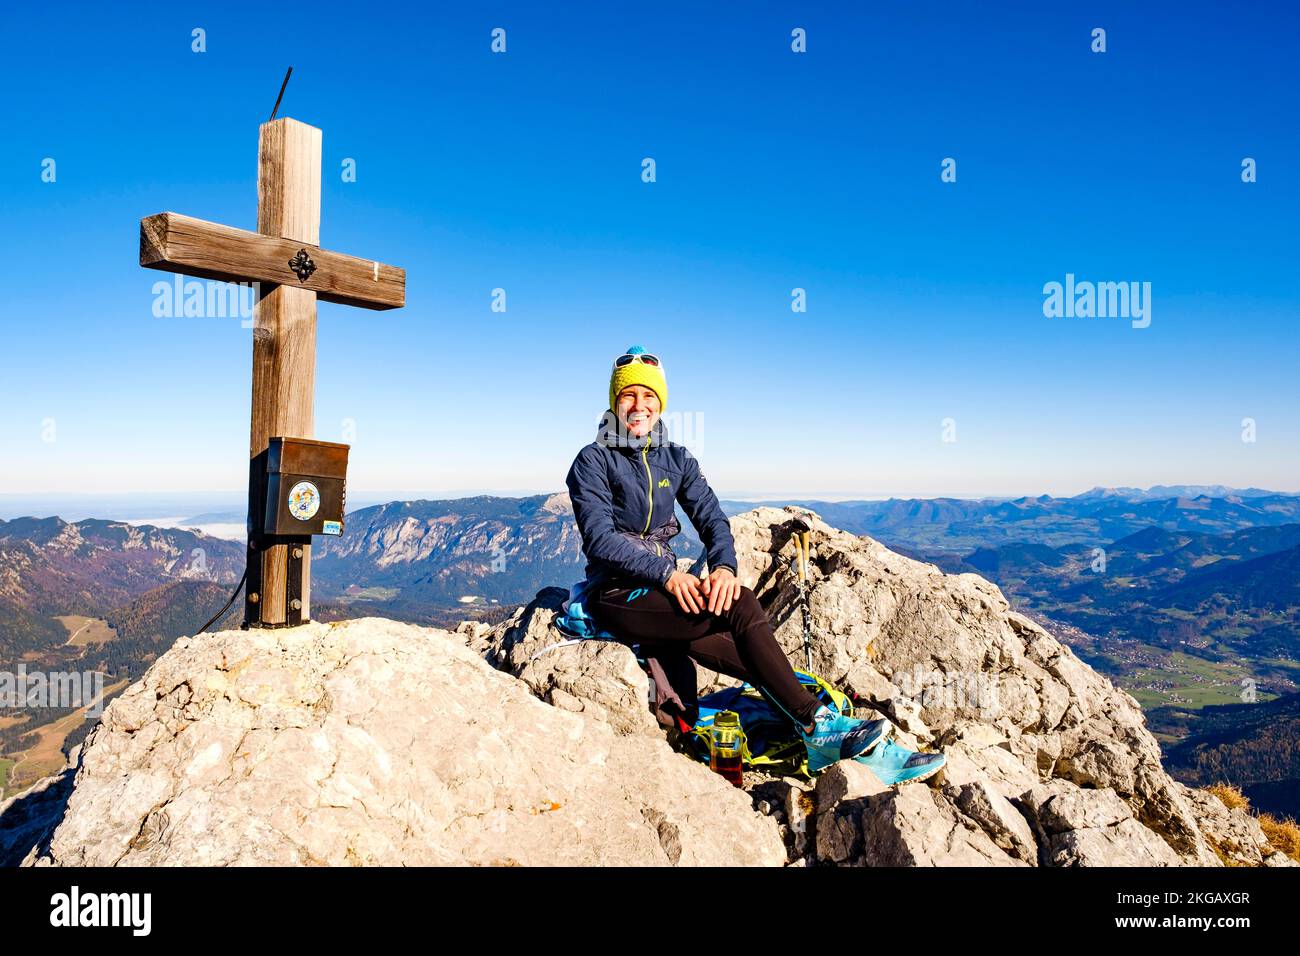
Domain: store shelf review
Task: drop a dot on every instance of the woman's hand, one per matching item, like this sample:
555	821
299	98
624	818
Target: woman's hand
686	588
722	587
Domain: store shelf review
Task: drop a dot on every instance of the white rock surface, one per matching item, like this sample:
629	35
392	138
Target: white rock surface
373	742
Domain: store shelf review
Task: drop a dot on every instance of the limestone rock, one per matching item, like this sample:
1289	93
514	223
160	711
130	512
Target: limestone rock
1010	705
998	818
373	742
845	780
915	826
1234	835
599	679
1078	827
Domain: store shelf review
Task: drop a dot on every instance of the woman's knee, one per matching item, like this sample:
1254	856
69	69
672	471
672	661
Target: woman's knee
746	603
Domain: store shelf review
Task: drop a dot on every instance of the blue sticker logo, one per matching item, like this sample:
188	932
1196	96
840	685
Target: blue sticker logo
332	527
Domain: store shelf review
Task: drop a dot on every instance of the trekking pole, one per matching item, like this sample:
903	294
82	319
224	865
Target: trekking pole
802	531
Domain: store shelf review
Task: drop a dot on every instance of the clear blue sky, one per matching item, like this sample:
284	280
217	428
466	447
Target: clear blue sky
775	170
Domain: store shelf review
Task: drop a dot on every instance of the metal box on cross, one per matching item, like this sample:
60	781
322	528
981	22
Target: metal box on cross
305	484
297	488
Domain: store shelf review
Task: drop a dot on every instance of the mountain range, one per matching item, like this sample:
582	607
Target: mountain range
53	567
406	558
960	525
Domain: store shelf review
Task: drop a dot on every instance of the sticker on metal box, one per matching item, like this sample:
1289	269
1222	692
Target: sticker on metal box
304	501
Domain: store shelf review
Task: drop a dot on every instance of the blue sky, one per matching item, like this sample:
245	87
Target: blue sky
775	170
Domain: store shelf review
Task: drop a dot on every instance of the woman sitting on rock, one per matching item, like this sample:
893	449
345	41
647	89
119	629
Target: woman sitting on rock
623	487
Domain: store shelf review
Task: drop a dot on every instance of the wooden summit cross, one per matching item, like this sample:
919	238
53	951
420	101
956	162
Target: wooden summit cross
292	271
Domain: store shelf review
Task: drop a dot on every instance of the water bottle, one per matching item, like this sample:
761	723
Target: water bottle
726	743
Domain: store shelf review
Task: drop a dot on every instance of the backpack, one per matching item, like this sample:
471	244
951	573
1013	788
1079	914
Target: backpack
769	740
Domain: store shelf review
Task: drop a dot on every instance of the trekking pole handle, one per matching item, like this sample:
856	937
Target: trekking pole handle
801	529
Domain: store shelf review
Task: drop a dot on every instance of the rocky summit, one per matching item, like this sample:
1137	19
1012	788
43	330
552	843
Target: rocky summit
374	742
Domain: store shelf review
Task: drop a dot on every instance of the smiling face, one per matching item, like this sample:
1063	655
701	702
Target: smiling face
638	409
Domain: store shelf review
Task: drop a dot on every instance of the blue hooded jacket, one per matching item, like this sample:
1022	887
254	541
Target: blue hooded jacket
623	489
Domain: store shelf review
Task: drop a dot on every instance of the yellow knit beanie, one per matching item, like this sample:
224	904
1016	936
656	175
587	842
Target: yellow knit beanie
637	372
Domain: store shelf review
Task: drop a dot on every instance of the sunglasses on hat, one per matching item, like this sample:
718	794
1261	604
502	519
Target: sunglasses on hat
645	358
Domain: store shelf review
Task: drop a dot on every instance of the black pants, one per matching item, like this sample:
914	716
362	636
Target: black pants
738	642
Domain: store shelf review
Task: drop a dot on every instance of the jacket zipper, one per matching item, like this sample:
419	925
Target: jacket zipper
650	488
645	461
